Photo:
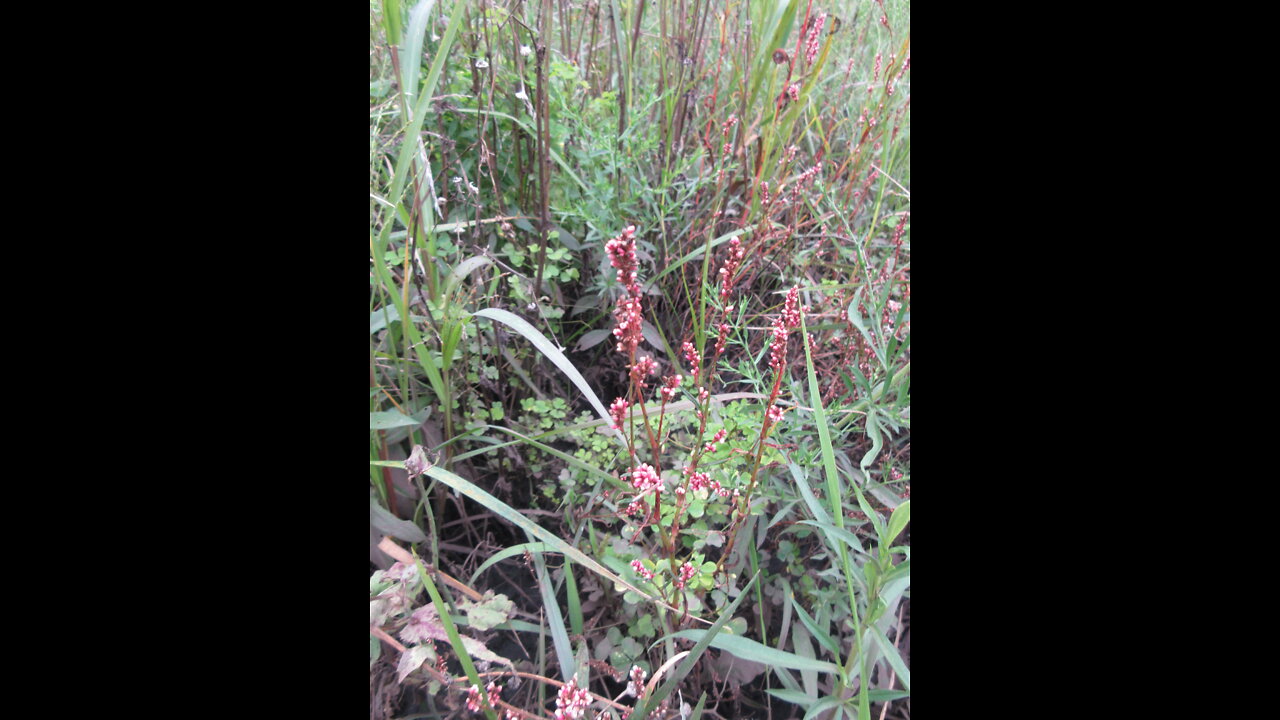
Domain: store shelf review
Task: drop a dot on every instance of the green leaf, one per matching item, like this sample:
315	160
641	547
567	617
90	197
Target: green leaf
697	711
575	603
555	620
849	538
810	500
748	649
792	696
465	268
901	516
900	570
382	520
818	707
877	442
821	635
411	51
591	339
491	611
387	419
381	317
895	660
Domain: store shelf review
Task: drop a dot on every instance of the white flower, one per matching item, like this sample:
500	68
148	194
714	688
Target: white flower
525	51
481	64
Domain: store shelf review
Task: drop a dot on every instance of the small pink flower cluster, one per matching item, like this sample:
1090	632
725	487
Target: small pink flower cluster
720	436
640	570
636	686
724	335
622	255
686	572
897	231
691	356
670	385
645	478
571	701
473	696
890	312
791	308
618	411
808	175
778	349
788	320
793	91
811	48
788	155
724	132
629	330
644	367
703	481
875	75
731	263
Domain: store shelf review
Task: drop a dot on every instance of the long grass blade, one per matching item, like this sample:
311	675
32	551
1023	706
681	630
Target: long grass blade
895	659
411	51
705	638
554	354
460	649
749	649
521	549
509	514
559	636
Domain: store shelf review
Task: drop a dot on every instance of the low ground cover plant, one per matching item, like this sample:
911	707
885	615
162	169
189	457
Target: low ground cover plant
639	359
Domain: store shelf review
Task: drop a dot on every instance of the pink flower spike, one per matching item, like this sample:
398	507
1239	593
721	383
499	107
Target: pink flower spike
811	47
643	368
571	701
618	411
622	255
669	387
686	572
640	570
646	478
636	686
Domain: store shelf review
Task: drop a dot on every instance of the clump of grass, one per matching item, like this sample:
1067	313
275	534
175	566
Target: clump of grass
691	221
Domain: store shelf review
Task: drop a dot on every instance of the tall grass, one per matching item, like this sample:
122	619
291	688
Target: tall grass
508	142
